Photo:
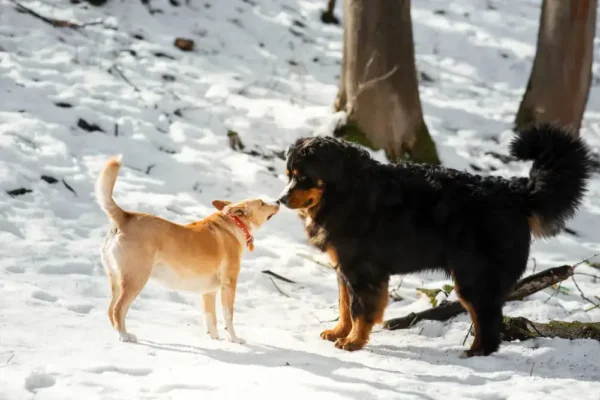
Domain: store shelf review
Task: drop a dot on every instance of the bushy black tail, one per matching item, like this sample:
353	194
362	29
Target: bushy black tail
557	181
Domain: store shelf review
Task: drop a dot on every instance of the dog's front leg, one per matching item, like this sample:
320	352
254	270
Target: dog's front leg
227	300
210	315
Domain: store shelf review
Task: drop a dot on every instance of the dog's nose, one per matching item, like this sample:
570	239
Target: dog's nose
283	199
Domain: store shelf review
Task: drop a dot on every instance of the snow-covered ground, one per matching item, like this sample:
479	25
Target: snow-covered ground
267	69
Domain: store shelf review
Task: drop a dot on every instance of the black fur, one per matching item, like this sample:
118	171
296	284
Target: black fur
385	219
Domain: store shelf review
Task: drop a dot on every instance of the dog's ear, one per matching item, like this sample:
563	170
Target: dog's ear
238	211
220	204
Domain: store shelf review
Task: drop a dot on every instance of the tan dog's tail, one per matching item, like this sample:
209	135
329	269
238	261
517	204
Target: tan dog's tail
104	191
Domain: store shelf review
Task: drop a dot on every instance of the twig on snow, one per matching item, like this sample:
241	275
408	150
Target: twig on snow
583	294
122	75
586	259
69	187
555	292
590	275
467	335
277	276
278	288
57	23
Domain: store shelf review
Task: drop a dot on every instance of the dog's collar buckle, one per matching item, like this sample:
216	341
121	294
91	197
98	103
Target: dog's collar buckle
240	224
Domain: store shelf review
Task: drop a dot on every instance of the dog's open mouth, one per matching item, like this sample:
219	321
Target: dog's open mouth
271	216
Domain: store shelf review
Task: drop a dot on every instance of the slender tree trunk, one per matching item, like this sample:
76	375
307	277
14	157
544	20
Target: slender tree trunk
559	84
378	83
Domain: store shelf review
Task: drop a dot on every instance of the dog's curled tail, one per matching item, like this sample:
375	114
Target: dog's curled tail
562	165
104	191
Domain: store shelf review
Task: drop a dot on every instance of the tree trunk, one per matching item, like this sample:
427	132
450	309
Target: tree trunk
559	84
378	83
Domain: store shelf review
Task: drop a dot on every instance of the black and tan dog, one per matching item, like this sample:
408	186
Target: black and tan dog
376	220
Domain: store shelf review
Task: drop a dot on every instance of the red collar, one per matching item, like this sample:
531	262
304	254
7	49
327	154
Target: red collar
240	224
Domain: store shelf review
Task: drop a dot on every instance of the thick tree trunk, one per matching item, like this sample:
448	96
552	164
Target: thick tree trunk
559	84
378	83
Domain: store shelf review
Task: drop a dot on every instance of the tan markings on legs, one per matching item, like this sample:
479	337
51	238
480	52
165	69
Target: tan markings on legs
344	325
131	285
358	337
228	301
210	316
361	326
476	345
382	302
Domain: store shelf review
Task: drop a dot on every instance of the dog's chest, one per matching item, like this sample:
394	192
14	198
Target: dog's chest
317	236
170	278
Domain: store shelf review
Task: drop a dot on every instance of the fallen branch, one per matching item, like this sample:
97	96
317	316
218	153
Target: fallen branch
57	23
277	276
582	294
520	328
115	68
446	310
278	288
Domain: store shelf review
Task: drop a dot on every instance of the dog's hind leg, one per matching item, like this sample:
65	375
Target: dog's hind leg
210	316
130	284
344	325
112	278
484	302
115	293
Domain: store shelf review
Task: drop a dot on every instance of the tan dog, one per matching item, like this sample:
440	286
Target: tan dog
202	257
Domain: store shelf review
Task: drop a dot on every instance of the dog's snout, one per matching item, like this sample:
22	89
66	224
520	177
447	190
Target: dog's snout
284	199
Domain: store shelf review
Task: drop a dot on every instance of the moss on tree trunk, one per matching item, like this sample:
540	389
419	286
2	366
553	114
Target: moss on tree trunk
520	328
423	151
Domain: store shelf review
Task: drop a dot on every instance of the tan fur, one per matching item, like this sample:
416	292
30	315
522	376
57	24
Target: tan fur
306	199
475	349
536	227
361	328
344	325
203	256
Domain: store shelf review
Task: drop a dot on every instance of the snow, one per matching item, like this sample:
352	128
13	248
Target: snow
268	70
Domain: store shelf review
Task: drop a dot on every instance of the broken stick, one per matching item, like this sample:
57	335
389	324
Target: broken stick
520	328
525	287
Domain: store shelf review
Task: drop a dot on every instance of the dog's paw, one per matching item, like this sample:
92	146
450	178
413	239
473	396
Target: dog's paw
213	336
349	344
127	337
235	339
332	335
474	353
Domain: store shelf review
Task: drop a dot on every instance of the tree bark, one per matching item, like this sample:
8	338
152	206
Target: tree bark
378	83
559	84
525	287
